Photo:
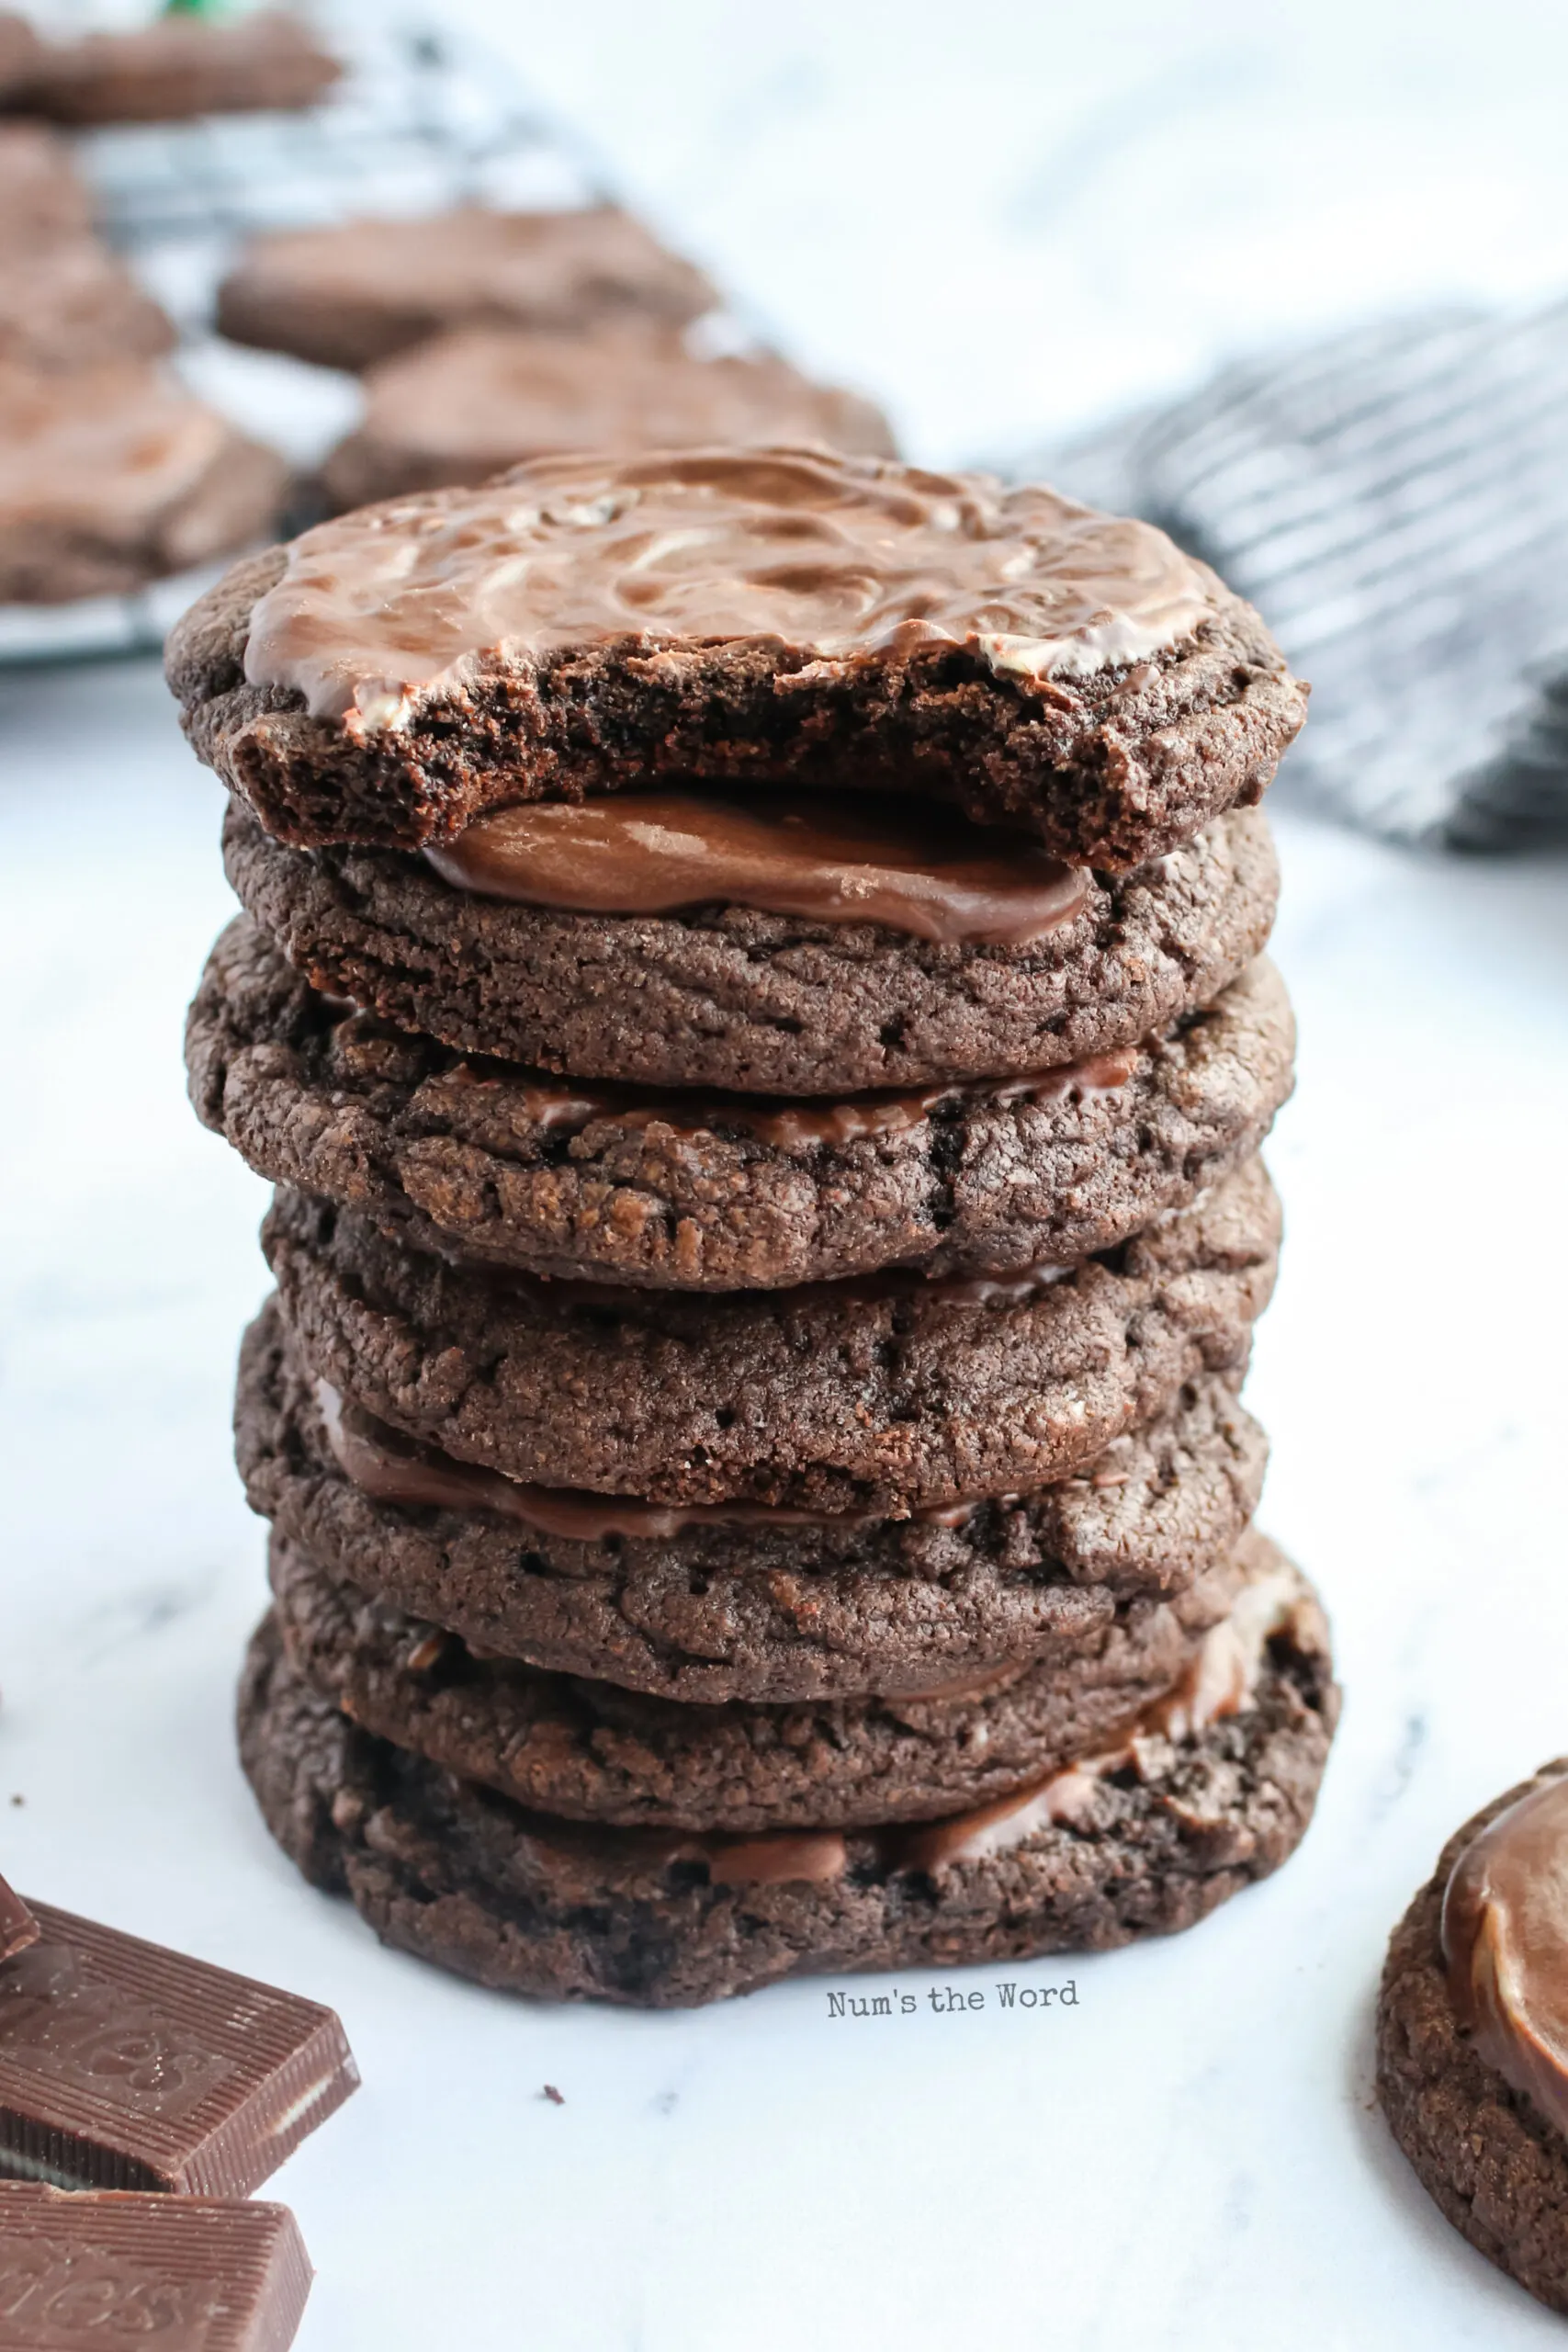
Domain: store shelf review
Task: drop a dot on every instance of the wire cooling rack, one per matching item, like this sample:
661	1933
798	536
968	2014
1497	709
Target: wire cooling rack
422	120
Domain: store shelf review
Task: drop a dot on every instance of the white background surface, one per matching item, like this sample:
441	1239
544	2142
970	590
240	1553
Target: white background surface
1188	2158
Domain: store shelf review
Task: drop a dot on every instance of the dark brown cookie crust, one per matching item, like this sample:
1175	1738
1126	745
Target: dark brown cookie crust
464	1160
727	1612
591	1751
756	1003
516	1900
885	1396
1109	770
1495	2167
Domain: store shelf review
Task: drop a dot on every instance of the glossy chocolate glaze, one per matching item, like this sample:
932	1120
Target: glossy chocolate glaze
1504	1934
922	871
831	560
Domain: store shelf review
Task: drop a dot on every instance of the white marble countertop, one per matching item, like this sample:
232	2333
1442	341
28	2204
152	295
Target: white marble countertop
1188	2157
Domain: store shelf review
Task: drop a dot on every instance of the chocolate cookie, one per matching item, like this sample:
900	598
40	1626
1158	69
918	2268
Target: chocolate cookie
117	475
178	66
468	406
1148	1838
588	623
707	1607
747	1001
591	1751
887	1393
42	194
356	291
66	303
1471	2066
486	1160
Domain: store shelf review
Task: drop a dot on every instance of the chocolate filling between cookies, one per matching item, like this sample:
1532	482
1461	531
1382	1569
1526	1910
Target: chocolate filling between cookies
927	873
560	1107
1220	1681
393	1468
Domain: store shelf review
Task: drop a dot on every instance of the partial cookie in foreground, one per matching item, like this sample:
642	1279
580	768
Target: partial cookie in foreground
588	623
467	405
590	1750
713	1605
1215	1792
887	1393
1473	2034
356	291
177	66
485	1159
741	998
117	475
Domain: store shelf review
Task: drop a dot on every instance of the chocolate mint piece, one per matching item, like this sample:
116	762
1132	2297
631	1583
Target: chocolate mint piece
124	2065
190	2274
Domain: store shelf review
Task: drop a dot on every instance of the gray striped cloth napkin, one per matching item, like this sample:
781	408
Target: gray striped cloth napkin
1395	503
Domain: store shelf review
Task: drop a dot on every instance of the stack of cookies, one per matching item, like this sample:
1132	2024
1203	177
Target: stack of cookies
751	992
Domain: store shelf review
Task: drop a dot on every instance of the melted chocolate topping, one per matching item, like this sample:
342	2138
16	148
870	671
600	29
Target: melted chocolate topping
927	873
832	560
1504	1936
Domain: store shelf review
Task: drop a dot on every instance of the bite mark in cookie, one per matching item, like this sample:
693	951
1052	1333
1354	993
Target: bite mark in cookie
766	616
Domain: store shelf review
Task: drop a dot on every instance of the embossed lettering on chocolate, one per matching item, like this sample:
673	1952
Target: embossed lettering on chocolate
126	2066
761	616
186	2274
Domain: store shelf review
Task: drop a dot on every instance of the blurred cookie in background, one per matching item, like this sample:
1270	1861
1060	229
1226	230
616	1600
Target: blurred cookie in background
177	66
67	303
20	49
470	405
116	476
41	192
356	292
